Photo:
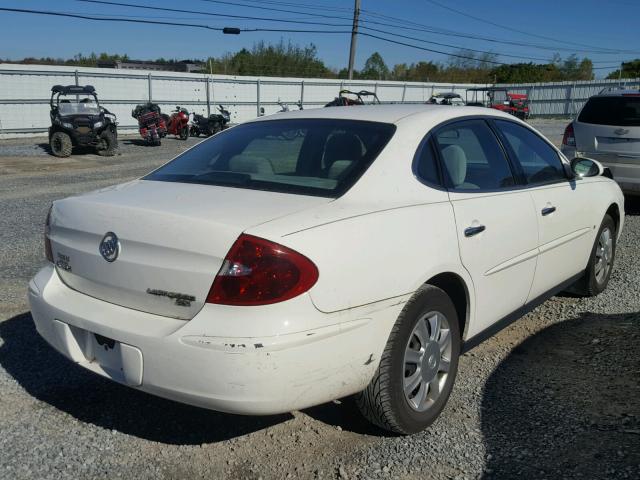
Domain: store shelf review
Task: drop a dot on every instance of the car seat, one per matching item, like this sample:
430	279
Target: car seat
341	153
455	161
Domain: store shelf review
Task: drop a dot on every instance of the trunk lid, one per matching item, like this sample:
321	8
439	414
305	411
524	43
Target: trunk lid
608	129
172	237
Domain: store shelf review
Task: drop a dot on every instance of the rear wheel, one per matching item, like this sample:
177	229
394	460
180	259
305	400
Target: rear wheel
418	366
108	144
60	144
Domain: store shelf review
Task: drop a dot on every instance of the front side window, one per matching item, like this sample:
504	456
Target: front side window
472	158
539	162
305	156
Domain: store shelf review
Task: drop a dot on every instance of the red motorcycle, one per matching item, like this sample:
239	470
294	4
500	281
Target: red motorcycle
150	123
178	123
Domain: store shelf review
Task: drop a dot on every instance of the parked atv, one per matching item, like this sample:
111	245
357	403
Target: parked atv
210	125
178	123
516	104
150	123
77	119
347	98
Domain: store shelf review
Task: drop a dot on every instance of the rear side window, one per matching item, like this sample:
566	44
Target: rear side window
426	166
472	158
540	163
618	111
305	156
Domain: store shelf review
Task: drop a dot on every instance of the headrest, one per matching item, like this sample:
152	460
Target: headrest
456	162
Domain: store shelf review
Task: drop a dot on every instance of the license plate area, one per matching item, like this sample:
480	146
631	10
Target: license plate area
103	355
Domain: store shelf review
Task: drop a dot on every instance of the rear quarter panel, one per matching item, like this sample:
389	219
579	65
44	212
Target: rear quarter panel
381	255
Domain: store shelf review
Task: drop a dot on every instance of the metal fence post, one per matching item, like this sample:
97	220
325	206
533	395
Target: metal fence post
301	93
75	74
258	97
404	92
149	86
206	86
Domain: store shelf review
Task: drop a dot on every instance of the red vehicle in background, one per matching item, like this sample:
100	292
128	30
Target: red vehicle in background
178	123
517	104
150	122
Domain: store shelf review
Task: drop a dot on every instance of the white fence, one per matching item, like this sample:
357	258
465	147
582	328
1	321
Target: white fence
25	92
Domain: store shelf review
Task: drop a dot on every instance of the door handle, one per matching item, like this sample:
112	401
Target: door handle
471	231
547	211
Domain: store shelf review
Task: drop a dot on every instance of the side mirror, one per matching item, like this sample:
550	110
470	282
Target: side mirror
586	167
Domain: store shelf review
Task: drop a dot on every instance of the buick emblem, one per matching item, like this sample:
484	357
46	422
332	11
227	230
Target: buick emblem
110	247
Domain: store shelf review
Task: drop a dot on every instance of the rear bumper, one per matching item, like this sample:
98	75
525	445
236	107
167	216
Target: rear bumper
625	171
627	175
192	362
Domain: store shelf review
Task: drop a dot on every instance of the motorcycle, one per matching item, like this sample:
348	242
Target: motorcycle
151	124
210	125
178	123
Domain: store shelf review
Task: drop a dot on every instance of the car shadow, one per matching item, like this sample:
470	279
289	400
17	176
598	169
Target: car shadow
565	403
51	378
76	150
344	414
138	142
632	205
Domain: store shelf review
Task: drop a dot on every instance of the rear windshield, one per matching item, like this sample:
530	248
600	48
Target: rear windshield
620	111
309	156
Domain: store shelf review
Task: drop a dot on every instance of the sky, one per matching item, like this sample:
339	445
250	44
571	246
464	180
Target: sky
584	27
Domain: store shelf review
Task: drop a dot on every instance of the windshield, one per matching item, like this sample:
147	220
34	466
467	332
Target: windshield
619	111
77	105
308	156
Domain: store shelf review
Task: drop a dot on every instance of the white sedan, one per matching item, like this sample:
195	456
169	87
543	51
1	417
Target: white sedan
315	254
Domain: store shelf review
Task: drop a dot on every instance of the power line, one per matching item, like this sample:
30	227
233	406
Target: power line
273	9
107	19
213	14
495	62
220	29
455	46
505	27
405	24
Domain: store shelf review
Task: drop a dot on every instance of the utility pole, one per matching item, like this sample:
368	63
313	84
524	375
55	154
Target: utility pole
354	36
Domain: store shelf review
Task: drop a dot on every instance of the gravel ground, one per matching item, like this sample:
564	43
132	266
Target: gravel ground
555	395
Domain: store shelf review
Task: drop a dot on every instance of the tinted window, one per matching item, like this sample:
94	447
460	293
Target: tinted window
426	164
307	156
539	161
621	111
472	157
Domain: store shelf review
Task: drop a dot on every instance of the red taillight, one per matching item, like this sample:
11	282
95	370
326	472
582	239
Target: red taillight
47	243
569	138
259	272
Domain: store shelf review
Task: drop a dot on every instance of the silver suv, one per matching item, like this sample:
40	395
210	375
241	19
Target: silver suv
608	130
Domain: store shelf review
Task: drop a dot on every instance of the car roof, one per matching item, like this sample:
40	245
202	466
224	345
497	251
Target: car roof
390	113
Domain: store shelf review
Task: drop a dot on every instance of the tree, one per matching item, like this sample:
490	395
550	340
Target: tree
629	70
375	68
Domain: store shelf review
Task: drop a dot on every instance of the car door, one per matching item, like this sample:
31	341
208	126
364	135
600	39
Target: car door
496	225
561	207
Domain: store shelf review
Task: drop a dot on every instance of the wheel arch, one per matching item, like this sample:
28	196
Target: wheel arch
614	212
458	291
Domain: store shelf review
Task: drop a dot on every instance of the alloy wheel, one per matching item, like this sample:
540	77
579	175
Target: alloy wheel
427	361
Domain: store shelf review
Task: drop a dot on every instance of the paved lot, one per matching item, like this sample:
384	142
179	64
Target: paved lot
556	395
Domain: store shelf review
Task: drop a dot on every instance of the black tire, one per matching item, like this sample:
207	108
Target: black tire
194	132
108	144
384	402
184	133
60	144
589	285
